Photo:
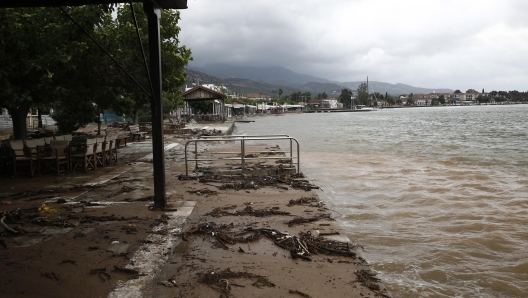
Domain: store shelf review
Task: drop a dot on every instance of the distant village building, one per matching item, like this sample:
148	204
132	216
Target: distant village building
330	103
258	96
430	99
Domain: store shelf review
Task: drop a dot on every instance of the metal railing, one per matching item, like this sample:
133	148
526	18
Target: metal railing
243	157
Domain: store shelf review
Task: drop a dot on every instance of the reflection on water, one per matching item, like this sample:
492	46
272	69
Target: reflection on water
437	196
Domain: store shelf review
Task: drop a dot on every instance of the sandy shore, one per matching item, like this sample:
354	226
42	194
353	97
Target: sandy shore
99	238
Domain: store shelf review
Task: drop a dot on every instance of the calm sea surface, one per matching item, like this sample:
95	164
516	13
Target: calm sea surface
437	196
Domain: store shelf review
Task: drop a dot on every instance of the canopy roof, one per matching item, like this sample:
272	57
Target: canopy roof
165	4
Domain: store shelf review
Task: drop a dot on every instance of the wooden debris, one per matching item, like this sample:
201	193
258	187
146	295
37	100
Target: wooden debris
5	226
90	218
305	201
368	279
302	220
299	293
220	281
51	275
301	246
204	191
247	211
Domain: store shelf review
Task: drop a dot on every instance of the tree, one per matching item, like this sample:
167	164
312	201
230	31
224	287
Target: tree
123	40
457	91
482	99
471	91
441	99
390	100
280	92
89	78
106	86
345	97
362	94
410	99
30	53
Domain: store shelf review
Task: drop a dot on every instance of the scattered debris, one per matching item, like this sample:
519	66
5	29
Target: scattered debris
204	191
301	220
6	227
301	246
368	279
311	201
51	275
90	218
46	209
248	211
254	182
220	281
299	293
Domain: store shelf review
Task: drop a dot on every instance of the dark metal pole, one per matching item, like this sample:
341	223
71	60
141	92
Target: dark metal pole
156	105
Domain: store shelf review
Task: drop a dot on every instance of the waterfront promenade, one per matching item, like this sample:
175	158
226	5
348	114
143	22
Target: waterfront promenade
93	235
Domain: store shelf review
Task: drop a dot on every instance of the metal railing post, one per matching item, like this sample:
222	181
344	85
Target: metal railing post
298	158
243	155
186	166
196	154
291	153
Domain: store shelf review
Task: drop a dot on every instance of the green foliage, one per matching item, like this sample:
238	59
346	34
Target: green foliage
441	99
483	99
30	53
471	91
48	61
362	97
345	97
296	97
457	91
390	100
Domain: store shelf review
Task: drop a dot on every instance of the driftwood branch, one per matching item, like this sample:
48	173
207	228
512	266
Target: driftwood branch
6	226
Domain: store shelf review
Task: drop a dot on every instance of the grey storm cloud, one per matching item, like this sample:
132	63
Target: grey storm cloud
427	43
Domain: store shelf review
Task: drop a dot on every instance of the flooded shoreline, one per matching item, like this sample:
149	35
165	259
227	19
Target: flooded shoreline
437	198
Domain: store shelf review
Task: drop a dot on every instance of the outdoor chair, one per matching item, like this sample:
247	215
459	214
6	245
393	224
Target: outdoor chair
34	146
47	140
59	159
64	137
134	132
100	154
84	157
22	158
111	149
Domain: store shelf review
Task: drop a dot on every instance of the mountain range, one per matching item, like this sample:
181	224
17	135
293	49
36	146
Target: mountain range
268	80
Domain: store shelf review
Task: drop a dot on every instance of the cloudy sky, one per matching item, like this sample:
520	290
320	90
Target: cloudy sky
457	44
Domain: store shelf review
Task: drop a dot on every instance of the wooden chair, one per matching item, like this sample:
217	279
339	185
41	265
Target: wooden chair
59	157
85	156
100	154
35	145
134	132
111	149
23	158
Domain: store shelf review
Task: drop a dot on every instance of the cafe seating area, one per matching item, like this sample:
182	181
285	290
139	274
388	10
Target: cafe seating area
58	154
